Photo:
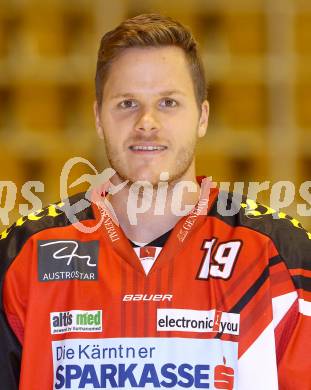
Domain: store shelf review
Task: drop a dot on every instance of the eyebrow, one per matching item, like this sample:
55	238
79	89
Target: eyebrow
164	93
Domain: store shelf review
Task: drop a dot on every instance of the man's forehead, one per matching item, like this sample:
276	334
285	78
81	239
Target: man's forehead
138	73
142	62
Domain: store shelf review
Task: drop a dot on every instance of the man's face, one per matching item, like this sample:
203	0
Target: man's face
149	116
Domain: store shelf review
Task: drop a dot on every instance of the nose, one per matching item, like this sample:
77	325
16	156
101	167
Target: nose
147	121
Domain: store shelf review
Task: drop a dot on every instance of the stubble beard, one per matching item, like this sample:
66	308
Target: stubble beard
183	160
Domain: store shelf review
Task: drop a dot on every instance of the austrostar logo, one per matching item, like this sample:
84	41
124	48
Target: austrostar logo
67	259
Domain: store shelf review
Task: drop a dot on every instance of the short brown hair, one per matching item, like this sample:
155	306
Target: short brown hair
149	30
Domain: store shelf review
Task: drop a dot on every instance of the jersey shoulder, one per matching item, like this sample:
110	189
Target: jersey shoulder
289	237
54	215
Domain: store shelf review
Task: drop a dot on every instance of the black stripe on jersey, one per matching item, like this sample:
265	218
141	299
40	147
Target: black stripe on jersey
275	260
302	282
291	240
10	246
251	292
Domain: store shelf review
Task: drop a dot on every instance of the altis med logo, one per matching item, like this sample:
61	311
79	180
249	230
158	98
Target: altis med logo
145	363
76	321
67	260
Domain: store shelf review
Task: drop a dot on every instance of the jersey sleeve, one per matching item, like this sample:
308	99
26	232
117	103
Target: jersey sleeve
292	303
14	242
10	344
10	355
290	276
294	366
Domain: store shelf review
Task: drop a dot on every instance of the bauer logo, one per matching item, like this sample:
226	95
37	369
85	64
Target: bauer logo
76	321
203	321
67	259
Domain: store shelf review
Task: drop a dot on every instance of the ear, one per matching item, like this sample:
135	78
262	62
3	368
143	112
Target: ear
203	123
99	127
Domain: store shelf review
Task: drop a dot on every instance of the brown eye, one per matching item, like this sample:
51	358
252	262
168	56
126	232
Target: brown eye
128	104
168	103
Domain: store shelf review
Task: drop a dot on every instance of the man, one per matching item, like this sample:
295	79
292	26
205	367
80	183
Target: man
152	298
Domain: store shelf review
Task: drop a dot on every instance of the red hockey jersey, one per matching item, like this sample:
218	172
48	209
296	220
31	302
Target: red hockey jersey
226	305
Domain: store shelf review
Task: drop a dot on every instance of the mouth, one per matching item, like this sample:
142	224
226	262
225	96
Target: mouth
147	149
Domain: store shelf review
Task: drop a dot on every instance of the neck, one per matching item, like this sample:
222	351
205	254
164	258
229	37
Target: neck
145	213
